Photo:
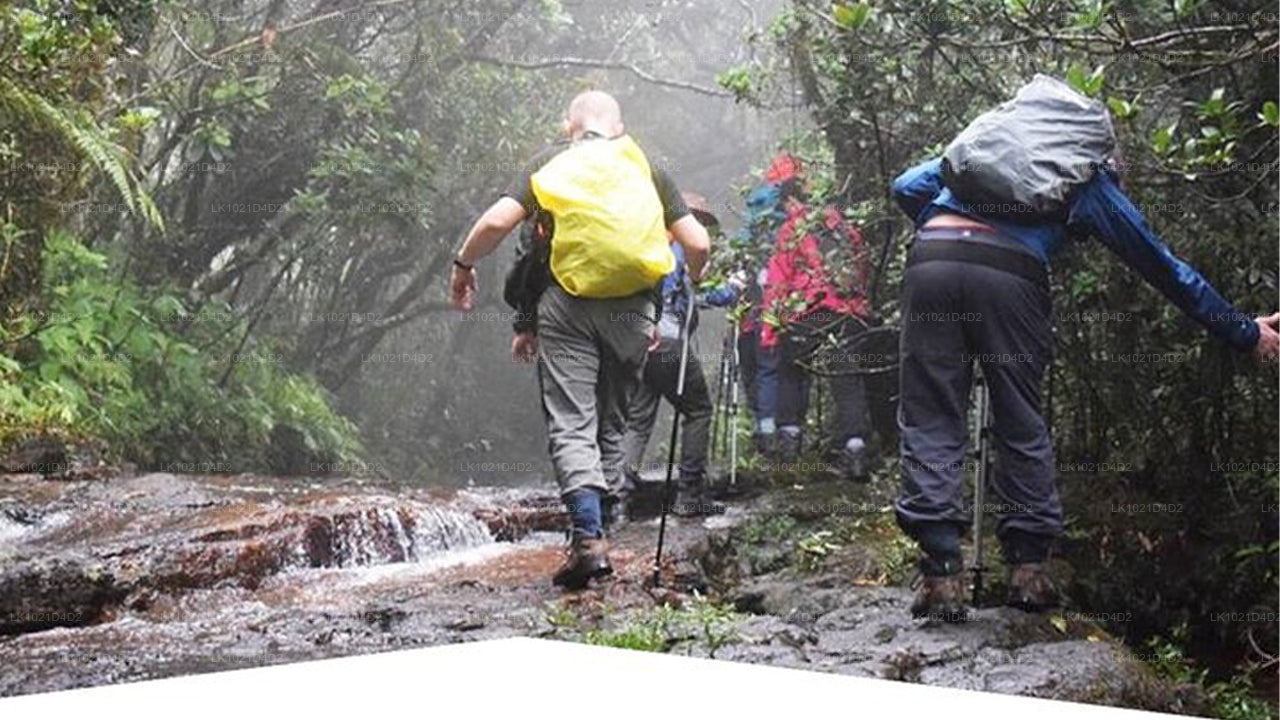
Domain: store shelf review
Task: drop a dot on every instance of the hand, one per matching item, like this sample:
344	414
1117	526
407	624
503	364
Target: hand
655	339
1268	346
700	275
463	284
524	347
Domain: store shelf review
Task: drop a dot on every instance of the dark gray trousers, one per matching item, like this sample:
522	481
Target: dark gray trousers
661	378
848	394
956	313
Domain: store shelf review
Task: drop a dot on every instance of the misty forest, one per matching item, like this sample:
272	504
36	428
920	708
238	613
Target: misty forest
242	423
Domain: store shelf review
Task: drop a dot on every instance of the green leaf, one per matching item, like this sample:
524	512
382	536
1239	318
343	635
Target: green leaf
852	16
1270	113
1120	108
1058	622
1092	16
1089	85
140	118
1076	78
1216	104
1160	140
1095	82
169	307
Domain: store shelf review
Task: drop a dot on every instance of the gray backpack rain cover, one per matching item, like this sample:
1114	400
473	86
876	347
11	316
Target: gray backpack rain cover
1026	156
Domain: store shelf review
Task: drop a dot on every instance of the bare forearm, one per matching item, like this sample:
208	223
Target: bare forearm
488	232
483	239
696	244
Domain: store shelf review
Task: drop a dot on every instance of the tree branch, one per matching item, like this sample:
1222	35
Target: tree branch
601	65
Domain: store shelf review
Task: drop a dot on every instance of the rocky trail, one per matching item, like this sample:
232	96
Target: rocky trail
156	575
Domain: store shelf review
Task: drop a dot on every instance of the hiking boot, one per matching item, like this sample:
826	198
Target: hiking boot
853	463
692	499
788	447
764	444
941	597
1031	588
587	561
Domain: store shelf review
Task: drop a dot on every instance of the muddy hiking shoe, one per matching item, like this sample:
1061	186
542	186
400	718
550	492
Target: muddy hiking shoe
694	503
764	444
940	597
587	561
852	462
1031	588
788	447
693	499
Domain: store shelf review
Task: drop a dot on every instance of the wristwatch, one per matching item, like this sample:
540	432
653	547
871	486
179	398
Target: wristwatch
464	266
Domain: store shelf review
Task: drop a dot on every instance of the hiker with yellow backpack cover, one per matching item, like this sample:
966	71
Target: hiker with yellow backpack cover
608	213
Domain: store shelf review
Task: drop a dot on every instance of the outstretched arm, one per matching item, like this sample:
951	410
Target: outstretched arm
495	224
1105	211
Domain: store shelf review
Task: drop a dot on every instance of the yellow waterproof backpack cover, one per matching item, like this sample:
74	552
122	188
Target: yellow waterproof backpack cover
610	240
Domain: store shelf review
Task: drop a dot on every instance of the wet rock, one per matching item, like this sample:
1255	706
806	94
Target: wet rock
248	571
55	459
509	523
466	624
55	593
868	632
41	455
384	618
786	598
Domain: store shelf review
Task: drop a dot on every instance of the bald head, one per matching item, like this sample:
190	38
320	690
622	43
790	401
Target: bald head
594	111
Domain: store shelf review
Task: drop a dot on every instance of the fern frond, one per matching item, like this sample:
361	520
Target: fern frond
83	133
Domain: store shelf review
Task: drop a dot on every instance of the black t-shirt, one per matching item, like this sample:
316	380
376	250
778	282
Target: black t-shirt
673	205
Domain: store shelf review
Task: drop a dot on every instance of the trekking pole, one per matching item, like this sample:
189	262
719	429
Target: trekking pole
982	439
733	408
675	436
727	355
721	412
715	410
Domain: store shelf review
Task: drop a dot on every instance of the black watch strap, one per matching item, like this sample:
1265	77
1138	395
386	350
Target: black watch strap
464	266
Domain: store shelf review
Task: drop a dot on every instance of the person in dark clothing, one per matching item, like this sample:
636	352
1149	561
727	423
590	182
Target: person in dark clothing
661	380
976	289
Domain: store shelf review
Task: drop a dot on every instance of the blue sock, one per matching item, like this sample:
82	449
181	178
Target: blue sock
584	511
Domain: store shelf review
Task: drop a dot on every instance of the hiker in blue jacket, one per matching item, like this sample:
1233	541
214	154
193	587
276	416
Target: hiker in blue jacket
661	378
977	287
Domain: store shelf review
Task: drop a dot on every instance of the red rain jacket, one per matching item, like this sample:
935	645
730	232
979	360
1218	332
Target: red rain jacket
797	268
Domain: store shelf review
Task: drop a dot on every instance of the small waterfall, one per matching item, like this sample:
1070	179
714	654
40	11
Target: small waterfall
436	530
382	535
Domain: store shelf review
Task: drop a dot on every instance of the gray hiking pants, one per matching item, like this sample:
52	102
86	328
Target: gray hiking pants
956	313
590	355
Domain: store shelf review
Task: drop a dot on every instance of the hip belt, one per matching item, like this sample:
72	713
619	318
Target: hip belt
951	245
